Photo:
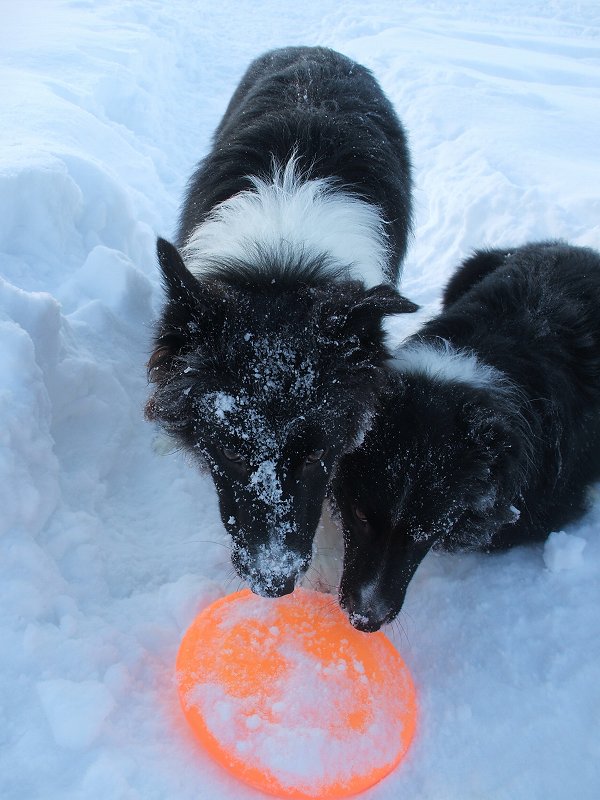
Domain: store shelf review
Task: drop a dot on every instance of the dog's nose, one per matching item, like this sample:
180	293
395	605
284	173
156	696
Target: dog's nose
359	617
364	623
273	586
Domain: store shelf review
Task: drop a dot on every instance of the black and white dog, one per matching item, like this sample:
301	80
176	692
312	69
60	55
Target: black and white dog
489	431
269	351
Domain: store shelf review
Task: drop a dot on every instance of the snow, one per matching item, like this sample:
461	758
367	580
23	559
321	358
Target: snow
563	551
75	711
109	546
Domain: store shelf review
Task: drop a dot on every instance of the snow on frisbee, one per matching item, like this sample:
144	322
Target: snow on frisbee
291	699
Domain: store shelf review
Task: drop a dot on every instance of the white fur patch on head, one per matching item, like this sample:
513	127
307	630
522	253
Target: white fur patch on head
290	214
442	362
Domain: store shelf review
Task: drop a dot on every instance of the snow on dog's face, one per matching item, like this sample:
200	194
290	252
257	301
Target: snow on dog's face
268	385
437	465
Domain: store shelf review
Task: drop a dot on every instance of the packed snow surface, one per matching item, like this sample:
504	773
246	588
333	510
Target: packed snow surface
110	545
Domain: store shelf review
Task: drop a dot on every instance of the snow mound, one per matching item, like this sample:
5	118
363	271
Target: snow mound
75	711
563	551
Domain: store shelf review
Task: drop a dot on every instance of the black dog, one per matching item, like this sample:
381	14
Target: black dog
489	432
269	351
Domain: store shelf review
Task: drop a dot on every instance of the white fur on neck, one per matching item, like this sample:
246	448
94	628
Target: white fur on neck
442	362
292	214
325	570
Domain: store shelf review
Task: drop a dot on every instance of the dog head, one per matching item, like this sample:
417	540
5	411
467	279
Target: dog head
268	380
439	463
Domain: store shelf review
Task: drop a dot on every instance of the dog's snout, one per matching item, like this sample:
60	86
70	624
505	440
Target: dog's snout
364	616
269	570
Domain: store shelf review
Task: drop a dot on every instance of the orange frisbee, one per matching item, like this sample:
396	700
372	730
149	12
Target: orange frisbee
293	700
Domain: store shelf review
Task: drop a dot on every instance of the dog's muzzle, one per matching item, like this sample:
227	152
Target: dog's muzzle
270	570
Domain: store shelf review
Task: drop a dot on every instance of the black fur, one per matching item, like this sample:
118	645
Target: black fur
471	272
267	368
456	465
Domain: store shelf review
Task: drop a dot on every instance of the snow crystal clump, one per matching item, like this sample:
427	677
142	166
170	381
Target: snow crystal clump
563	551
266	483
75	711
224	404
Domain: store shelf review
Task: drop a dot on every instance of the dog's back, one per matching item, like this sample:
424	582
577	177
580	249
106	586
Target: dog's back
532	314
470	272
480	264
326	111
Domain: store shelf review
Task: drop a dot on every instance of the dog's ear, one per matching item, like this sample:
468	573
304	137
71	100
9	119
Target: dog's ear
500	447
191	314
179	283
357	317
375	304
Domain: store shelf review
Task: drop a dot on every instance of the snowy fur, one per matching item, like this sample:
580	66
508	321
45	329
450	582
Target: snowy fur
291	215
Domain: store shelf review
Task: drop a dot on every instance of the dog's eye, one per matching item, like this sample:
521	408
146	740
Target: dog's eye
232	455
360	515
315	456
